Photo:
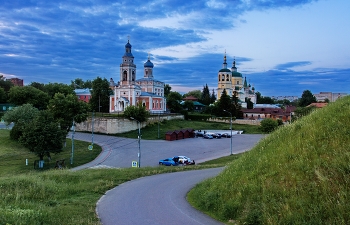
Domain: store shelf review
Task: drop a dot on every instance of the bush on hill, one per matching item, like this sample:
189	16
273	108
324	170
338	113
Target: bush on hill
299	174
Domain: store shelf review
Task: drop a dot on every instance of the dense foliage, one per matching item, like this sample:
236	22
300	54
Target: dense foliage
299	174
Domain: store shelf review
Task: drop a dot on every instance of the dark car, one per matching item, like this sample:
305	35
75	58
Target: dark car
226	135
208	136
216	135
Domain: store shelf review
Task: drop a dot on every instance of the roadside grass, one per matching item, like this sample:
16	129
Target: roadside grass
150	132
63	196
299	174
13	155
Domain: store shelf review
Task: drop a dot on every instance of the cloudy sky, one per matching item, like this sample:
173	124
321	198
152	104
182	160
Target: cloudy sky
283	47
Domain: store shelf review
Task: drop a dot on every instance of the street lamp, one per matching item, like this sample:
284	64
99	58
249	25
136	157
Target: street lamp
139	137
230	127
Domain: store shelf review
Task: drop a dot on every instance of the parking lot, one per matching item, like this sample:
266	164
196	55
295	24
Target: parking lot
120	152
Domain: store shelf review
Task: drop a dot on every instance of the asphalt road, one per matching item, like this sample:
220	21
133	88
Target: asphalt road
159	199
120	152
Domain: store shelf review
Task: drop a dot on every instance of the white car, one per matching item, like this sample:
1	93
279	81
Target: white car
185	160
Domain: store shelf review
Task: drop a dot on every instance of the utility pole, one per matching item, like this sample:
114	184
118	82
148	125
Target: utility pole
73	130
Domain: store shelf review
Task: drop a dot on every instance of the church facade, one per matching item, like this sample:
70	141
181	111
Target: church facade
232	82
129	91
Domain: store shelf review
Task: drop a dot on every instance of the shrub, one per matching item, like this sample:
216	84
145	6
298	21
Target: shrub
268	125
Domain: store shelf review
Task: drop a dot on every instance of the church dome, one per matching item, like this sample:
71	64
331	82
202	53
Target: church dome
236	74
128	45
224	70
148	64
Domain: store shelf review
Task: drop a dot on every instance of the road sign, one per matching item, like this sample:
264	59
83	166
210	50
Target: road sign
90	147
134	163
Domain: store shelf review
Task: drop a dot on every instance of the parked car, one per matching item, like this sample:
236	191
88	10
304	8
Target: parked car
185	160
168	162
199	134
226	135
216	135
208	136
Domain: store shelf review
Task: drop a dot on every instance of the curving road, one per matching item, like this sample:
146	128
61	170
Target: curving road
159	199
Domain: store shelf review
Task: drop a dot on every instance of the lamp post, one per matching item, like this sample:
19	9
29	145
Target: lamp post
139	140
230	126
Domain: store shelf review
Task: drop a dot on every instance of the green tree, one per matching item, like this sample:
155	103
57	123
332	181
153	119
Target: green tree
52	88
28	95
5	84
306	99
195	93
20	116
138	113
37	85
3	95
212	97
100	93
205	98
188	105
43	135
302	111
249	102
65	109
268	125
167	90
173	102
78	83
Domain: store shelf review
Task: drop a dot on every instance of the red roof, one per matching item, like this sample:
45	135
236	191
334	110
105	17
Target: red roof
318	104
190	98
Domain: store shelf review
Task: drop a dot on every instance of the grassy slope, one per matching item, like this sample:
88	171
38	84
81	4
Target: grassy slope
300	174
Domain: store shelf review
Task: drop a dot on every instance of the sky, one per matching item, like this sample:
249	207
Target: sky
282	47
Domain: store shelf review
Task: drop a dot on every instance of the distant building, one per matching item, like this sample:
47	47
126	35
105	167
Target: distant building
83	94
289	98
232	82
332	97
16	81
130	92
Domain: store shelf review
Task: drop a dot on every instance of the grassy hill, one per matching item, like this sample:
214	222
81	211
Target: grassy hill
300	174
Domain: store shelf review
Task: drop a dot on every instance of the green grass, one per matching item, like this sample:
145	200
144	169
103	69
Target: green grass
53	196
299	174
150	132
13	155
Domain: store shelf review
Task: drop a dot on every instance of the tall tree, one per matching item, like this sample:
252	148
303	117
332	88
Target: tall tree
307	98
100	95
43	136
173	102
66	109
205	98
224	103
212	97
28	95
167	90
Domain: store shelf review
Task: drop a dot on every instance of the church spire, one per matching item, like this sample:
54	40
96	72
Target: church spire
224	65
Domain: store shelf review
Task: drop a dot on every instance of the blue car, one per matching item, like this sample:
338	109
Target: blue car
168	162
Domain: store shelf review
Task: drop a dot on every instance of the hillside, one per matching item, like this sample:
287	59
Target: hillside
300	174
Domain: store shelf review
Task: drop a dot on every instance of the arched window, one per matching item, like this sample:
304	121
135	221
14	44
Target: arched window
125	75
223	77
227	77
237	82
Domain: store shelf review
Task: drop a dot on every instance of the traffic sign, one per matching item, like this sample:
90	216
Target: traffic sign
90	147
134	163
